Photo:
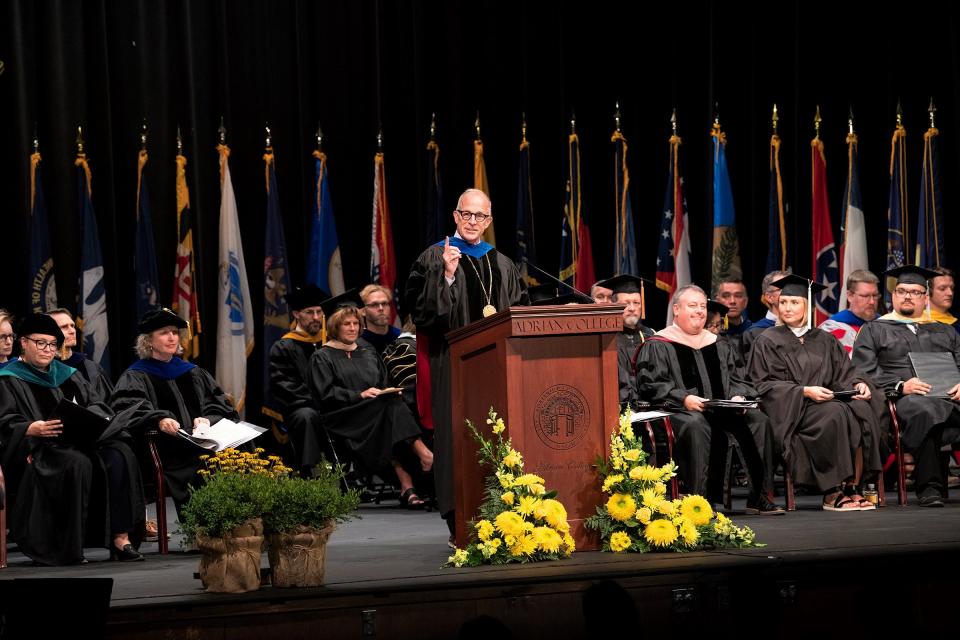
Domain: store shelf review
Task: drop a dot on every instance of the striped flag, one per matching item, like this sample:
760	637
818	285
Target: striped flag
853	251
673	255
625	255
43	286
777	259
726	247
526	250
930	214
576	256
324	268
276	281
185	302
825	267
92	307
480	182
897	241
235	314
383	262
145	260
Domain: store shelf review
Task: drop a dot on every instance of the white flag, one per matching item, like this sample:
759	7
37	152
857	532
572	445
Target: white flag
235	315
853	254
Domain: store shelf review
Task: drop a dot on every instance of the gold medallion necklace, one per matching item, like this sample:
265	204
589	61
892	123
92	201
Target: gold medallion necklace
488	309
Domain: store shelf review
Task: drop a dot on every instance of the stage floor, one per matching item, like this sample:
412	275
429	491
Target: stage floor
389	551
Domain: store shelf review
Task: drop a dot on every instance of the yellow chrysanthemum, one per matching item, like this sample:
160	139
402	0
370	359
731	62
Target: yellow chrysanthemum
621	506
660	533
527	479
509	523
513	459
619	541
660	488
645	473
631	455
506	480
554	513
650	498
667	471
612	480
494	544
525	545
689	533
507	497
569	546
484	529
537	489
526	505
667	508
644	514
696	509
548	540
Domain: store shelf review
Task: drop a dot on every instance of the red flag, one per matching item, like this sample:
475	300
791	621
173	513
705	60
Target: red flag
383	263
826	269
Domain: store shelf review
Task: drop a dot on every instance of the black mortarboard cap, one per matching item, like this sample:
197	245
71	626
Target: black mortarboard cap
910	274
717	307
159	318
40	323
794	285
305	297
349	298
541	292
624	283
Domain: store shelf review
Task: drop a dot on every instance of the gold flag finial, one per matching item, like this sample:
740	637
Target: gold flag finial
143	135
899	113
523	126
716	114
79	140
222	130
433	126
179	142
932	110
775	119
476	124
573	122
380	139
850	122
673	121
319	137
816	123
268	141
36	139
616	116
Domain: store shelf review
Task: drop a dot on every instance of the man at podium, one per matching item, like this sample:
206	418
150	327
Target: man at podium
453	283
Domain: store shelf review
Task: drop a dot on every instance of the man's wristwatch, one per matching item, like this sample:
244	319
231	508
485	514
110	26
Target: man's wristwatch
899	387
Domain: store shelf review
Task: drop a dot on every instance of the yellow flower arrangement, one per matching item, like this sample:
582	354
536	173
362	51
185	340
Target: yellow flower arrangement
639	516
520	519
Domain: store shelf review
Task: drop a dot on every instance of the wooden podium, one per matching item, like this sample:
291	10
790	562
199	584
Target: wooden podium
551	373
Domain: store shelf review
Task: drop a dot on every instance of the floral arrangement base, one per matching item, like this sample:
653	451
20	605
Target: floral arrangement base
231	564
298	559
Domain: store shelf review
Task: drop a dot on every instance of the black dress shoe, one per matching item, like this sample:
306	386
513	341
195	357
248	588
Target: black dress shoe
932	500
127	554
762	506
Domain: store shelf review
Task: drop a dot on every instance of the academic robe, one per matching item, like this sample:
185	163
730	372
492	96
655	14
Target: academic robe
438	308
818	439
628	341
289	374
192	394
882	352
370	426
93	373
62	499
668	372
381	341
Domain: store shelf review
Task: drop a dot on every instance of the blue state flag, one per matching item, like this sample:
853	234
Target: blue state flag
436	219
930	216
726	247
43	287
897	242
777	259
276	282
526	251
625	257
92	307
145	258
324	268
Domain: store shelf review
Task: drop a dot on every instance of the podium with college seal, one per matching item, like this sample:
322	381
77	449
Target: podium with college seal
551	373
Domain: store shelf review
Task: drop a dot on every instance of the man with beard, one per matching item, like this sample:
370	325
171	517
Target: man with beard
681	368
289	370
376	315
454	282
627	291
863	296
64	492
90	370
882	351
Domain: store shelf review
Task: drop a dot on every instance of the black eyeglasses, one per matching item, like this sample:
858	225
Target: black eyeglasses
43	345
908	293
472	216
4	337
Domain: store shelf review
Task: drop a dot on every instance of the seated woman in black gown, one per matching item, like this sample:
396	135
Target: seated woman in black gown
63	490
170	394
827	442
347	378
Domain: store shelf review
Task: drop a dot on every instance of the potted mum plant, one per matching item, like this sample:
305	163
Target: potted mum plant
223	516
303	512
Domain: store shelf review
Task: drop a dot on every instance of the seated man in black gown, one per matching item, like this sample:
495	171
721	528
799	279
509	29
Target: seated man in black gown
89	369
882	351
63	494
628	290
683	366
289	369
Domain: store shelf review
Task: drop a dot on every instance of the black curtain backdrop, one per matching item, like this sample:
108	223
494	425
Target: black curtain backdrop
351	65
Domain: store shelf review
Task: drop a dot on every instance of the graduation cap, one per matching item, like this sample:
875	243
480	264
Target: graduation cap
541	292
910	274
305	297
159	318
40	323
349	298
570	297
626	283
717	307
794	285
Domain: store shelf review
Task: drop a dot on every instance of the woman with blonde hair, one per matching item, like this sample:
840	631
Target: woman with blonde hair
6	337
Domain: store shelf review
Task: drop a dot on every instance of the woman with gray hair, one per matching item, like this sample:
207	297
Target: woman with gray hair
172	394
